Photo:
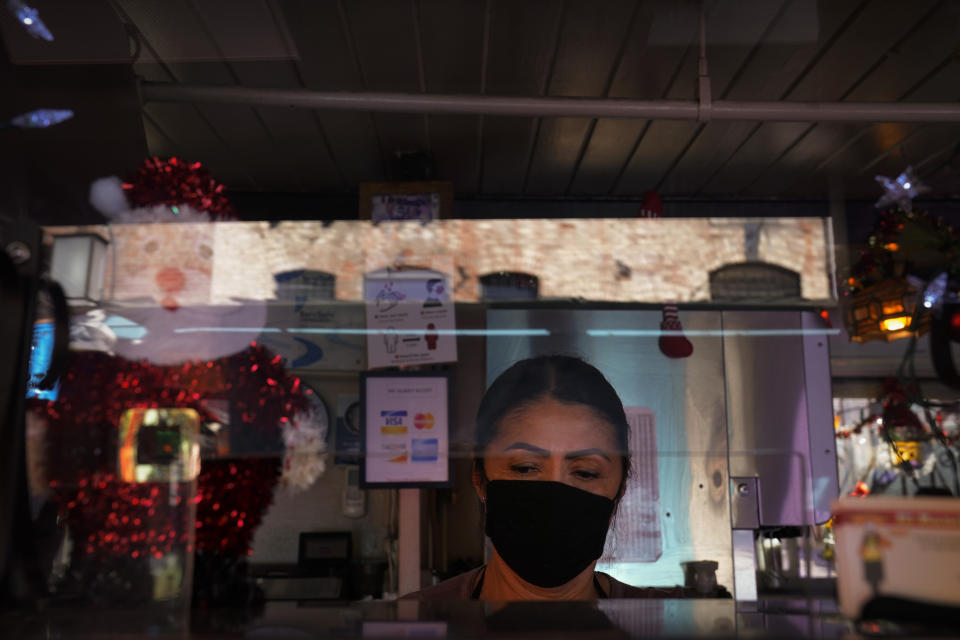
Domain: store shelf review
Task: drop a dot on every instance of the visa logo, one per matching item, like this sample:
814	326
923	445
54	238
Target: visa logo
393	417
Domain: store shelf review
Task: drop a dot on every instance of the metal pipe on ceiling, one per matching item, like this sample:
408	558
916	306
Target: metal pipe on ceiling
555	106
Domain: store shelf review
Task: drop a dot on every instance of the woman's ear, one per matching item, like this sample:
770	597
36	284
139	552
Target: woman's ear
479	480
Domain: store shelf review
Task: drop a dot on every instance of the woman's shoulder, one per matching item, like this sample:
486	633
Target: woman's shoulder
622	590
456	588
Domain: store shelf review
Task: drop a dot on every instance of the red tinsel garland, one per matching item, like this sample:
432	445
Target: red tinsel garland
110	517
174	182
232	498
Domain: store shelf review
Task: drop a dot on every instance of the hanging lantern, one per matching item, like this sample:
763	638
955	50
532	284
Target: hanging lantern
905	432
884	311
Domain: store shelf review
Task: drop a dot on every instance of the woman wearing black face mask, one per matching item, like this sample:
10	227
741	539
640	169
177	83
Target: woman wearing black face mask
551	466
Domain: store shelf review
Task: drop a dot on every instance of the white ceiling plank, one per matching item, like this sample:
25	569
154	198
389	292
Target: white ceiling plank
883	79
520	50
451	33
920	69
610	147
770	74
252	145
172	29
676	165
589	52
354	145
87	32
757	50
244	30
300	148
196	141
384	39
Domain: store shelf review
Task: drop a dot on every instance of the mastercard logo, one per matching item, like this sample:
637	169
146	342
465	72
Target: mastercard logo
400	458
423	421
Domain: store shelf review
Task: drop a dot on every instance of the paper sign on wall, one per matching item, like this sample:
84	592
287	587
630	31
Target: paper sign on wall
410	318
406	430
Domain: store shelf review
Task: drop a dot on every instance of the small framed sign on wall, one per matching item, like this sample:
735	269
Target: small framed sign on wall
405	420
423	201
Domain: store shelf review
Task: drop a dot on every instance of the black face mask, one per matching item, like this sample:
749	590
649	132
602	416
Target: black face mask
547	532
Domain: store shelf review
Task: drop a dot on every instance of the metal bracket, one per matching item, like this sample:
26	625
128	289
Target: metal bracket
704	100
744	503
704	105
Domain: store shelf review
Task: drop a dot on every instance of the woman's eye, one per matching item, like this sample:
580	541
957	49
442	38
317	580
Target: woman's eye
523	469
586	475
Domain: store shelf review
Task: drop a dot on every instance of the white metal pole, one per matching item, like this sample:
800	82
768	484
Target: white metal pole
408	541
554	106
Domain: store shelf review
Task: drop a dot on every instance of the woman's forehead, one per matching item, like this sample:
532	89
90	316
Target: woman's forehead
555	426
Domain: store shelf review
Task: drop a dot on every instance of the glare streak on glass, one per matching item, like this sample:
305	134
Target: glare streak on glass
594	333
229	330
648	333
365	332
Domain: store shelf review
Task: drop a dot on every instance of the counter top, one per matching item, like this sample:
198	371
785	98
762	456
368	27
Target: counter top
786	617
451	619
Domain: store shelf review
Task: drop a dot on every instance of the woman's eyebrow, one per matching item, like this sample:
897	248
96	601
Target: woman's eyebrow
582	453
528	447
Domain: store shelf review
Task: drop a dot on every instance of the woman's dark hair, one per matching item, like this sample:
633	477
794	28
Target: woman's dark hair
566	379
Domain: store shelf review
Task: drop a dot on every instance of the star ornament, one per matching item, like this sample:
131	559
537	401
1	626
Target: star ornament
30	19
900	191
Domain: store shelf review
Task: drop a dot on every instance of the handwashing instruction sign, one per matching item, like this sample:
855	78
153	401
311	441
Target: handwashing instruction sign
410	318
406	429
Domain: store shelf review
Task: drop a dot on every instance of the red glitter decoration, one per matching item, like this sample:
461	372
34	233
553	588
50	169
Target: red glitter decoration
111	518
174	182
107	516
241	491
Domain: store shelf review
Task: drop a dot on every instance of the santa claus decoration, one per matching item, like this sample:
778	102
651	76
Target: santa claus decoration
137	450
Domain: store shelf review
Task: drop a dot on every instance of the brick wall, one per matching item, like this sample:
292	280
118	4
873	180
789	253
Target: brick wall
667	259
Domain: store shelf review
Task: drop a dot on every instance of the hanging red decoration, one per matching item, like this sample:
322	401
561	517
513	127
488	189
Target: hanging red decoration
860	490
673	343
652	206
175	183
